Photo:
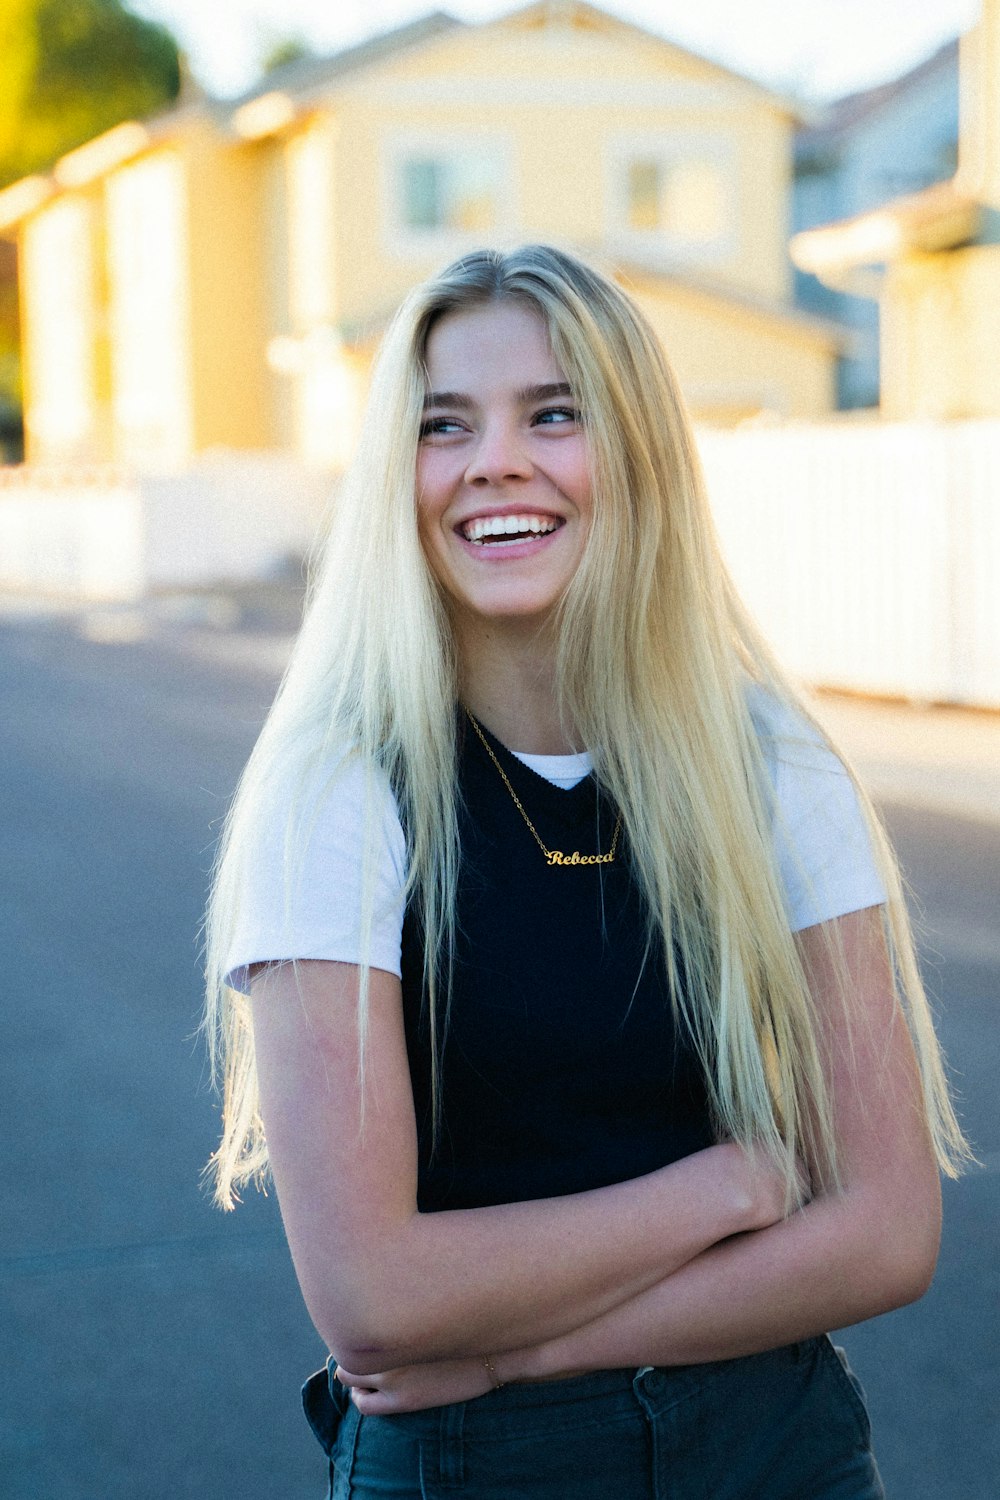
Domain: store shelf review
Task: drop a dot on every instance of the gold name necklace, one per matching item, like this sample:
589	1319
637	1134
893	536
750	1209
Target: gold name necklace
552	856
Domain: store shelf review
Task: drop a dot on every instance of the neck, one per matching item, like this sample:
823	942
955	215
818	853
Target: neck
508	680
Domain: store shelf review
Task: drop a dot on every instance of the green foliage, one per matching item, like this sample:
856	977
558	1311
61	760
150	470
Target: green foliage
70	69
288	49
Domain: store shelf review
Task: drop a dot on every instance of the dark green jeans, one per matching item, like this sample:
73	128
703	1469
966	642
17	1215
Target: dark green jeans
790	1424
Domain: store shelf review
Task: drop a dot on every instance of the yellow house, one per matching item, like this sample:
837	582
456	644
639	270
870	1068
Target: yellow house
218	277
142	286
933	260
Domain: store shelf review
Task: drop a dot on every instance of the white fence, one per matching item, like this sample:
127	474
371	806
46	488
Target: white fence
869	553
108	534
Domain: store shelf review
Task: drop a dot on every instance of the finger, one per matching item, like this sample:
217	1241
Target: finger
372	1403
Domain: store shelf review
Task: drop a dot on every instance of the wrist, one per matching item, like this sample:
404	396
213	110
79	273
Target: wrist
497	1378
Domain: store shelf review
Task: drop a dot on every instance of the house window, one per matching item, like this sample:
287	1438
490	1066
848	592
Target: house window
644	194
675	194
423	206
453	191
683	199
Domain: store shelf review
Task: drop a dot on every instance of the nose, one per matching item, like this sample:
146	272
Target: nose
499	455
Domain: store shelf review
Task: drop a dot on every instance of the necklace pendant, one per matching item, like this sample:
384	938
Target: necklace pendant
557	857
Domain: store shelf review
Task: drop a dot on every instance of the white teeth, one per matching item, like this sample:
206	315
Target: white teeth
475	531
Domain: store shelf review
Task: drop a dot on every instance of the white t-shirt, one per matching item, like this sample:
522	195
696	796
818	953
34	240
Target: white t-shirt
821	843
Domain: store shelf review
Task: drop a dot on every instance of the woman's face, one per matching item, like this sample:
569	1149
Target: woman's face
503	477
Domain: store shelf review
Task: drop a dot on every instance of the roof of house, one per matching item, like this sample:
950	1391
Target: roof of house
307	77
834	124
702	283
307	74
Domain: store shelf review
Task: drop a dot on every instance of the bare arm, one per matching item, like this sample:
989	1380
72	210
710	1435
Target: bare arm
842	1258
386	1285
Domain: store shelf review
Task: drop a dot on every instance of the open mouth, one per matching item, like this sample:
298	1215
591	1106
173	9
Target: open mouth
484	531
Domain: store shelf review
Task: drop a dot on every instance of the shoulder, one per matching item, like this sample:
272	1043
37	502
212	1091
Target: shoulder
323	862
803	767
325	805
820	831
787	734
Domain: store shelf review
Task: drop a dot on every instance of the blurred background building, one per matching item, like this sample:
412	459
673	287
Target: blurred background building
217	276
202	287
932	258
861	151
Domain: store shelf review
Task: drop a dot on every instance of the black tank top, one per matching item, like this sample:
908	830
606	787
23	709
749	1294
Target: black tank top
563	1067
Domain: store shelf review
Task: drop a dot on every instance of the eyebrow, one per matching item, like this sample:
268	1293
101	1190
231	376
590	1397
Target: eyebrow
524	397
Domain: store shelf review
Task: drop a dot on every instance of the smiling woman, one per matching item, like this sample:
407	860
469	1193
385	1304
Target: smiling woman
559	956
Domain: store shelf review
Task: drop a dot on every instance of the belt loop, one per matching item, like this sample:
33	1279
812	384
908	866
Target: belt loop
452	1449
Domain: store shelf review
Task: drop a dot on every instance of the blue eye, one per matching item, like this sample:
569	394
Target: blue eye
438	424
560	413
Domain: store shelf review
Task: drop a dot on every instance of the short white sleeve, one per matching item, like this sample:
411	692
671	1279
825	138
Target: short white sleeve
821	839
313	908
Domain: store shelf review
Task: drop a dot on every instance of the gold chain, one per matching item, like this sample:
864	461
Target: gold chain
553	856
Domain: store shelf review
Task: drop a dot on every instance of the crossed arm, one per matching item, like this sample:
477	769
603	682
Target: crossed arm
694	1262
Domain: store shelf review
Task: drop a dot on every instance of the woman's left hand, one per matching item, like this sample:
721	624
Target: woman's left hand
415	1387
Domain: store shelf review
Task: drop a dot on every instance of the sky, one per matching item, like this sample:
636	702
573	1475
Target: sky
815	49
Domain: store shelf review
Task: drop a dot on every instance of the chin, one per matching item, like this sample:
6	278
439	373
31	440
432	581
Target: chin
523	607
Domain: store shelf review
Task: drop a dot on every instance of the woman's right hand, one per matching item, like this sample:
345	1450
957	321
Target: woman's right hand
416	1387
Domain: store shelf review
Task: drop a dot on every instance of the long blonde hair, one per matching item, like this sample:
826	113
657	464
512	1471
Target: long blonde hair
656	661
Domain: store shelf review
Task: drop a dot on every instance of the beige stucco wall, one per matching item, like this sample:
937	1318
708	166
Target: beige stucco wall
145	267
145	309
314	387
734	362
105	284
65	342
556	105
979	144
231	397
940	335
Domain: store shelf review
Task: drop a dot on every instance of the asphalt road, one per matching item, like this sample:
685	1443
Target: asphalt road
153	1347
